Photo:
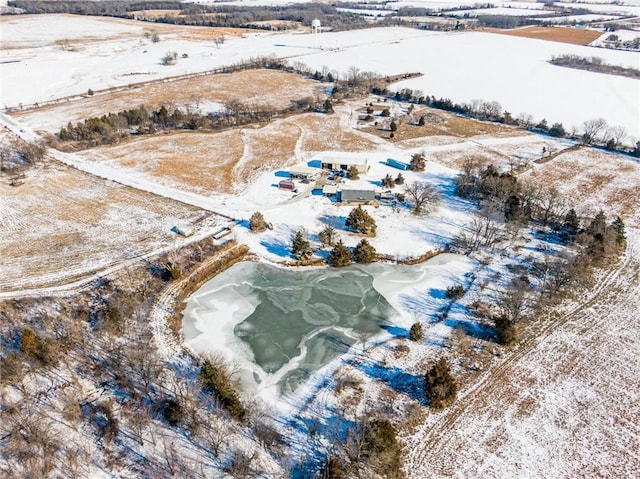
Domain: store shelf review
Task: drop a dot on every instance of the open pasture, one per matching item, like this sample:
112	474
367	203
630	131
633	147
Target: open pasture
224	162
61	225
202	93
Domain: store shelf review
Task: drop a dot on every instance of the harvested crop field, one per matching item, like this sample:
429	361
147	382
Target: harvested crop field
574	36
254	87
61	225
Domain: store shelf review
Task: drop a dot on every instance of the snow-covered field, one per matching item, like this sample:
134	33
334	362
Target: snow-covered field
515	71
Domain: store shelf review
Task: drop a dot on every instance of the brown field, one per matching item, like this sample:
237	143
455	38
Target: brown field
438	123
255	87
574	36
593	180
62	224
224	162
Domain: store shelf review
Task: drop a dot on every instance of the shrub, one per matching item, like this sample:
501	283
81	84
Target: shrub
454	292
11	368
387	181
216	381
440	386
416	333
339	255
418	162
364	252
399	179
385	112
393	126
352	173
506	330
327	235
172	411
257	224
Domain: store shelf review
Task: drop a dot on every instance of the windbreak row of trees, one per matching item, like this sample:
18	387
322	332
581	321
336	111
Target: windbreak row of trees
115	127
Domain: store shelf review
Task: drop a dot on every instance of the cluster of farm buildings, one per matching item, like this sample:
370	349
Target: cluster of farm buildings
328	174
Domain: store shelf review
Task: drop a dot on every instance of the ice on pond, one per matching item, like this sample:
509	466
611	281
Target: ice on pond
280	325
288	322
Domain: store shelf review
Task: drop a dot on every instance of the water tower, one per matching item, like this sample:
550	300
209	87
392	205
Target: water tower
315	29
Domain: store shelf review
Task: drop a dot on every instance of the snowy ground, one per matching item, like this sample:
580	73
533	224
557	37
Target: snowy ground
561	405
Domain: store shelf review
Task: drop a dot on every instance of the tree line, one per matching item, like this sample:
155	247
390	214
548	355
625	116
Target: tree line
507	205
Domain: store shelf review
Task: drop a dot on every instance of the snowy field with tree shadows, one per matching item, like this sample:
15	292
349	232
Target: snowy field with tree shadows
279	326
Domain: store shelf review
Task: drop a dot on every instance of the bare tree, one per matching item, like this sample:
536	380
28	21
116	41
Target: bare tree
480	232
592	128
423	197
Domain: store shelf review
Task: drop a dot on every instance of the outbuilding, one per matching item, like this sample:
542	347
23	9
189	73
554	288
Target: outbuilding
287	185
335	163
348	195
397	164
302	172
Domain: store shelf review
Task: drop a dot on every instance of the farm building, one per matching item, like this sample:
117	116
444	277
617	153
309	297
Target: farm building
287	185
397	164
357	196
335	163
329	190
302	172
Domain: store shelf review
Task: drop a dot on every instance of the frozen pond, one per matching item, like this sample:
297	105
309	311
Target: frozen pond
278	326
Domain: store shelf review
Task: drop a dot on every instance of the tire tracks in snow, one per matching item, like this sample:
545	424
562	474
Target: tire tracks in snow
417	458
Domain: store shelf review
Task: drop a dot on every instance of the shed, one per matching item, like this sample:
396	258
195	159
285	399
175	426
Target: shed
287	185
397	164
357	196
328	190
301	171
335	163
183	230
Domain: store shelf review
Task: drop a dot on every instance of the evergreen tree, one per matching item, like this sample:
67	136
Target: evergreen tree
505	329
300	247
364	252
339	255
352	173
360	222
393	126
440	386
257	223
618	228
399	179
328	107
571	224
421	121
512	208
598	225
557	130
416	333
